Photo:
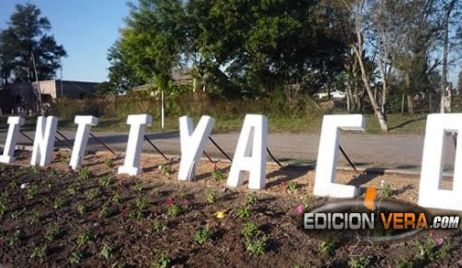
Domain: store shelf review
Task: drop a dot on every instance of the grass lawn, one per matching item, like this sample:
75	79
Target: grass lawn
398	124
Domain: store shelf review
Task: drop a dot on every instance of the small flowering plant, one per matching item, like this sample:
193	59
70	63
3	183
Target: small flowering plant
217	174
165	170
173	209
431	248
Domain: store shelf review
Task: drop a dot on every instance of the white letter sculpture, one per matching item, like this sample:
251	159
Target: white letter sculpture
324	183
250	153
429	193
192	144
15	123
44	140
135	141
81	138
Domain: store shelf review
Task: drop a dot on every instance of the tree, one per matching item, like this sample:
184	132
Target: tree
121	76
459	83
26	41
449	8
235	47
151	44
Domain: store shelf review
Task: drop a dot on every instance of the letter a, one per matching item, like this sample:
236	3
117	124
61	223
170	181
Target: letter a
250	153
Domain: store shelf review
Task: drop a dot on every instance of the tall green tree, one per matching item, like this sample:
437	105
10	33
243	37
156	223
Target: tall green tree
152	41
234	47
27	41
121	76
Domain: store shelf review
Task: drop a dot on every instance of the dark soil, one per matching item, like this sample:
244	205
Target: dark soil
56	217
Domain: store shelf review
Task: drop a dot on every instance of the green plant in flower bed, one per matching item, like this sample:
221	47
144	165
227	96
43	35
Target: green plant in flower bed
138	187
250	229
35	169
59	203
307	201
82	239
65	159
39	252
403	263
326	247
103	212
243	212
116	199
142	203
106	251
4	199
105	181
292	186
72	189
250	199
165	170
256	246
2	167
109	162
217	174
174	210
430	249
84	173
15	238
158	226
14	184
360	261
32	191
53	232
52	173
202	235
385	190
82	208
212	197
92	194
35	217
75	257
161	260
